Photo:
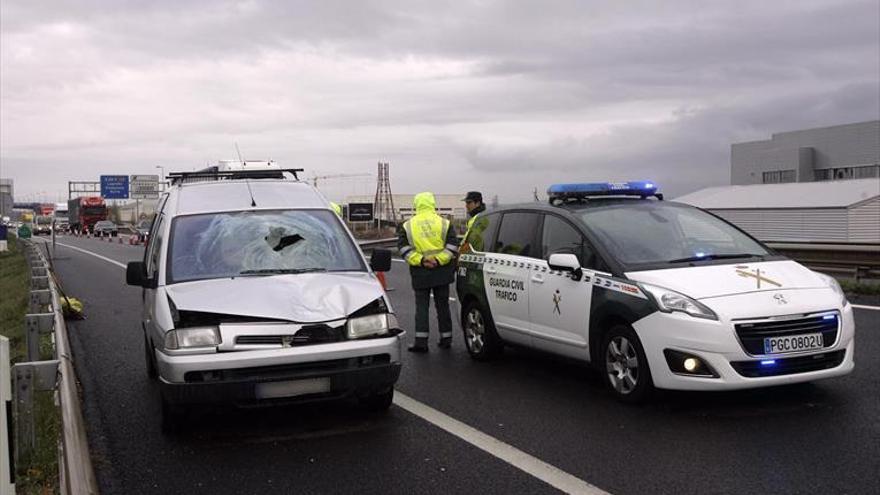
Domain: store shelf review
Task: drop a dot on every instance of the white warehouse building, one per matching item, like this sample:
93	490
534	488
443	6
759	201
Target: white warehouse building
816	212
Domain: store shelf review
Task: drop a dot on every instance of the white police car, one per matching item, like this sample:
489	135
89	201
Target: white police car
254	292
653	293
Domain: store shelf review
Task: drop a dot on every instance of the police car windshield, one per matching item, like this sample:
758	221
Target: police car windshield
653	232
247	243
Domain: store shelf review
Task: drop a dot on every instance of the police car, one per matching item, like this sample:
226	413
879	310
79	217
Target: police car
255	293
653	293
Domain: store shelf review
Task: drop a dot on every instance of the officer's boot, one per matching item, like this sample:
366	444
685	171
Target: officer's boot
420	345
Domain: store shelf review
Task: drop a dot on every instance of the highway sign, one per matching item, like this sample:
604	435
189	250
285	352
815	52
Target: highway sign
360	212
144	187
114	186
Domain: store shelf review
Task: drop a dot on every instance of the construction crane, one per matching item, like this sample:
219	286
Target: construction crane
315	178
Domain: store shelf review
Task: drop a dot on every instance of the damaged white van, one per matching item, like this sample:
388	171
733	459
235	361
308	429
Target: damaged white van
256	293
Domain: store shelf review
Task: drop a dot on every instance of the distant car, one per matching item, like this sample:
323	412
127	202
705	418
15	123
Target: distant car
105	227
142	229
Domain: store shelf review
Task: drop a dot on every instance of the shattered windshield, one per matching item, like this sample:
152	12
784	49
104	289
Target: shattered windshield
259	243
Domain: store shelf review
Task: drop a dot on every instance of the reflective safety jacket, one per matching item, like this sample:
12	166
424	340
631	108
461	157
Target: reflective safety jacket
473	236
336	208
427	235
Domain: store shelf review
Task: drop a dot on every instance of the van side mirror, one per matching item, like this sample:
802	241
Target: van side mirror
380	260
136	274
566	262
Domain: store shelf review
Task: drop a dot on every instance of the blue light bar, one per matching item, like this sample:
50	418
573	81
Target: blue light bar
829	317
641	188
769	362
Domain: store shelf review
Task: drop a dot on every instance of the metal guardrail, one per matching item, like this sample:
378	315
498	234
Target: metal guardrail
859	261
75	470
377	243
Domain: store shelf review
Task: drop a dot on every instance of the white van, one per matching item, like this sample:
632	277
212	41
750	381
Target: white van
255	292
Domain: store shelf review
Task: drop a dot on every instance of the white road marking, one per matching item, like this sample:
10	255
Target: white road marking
527	463
120	265
862	306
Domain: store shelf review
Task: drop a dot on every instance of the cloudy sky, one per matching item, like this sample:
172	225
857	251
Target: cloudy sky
458	95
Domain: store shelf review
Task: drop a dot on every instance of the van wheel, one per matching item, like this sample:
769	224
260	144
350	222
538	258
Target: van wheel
378	402
480	337
149	359
173	418
626	366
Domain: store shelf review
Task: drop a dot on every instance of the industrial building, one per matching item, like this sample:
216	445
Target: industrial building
844	211
849	151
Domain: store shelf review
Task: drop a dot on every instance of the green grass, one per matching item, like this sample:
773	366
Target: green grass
38	472
861	288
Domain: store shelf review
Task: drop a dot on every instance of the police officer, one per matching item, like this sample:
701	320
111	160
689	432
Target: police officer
337	208
473	202
428	244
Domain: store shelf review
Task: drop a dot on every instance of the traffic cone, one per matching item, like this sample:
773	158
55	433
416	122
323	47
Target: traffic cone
381	277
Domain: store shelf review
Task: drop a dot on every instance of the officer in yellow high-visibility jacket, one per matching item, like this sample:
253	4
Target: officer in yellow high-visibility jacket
428	244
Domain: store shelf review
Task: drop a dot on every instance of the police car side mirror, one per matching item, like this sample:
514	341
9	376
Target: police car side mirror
136	274
566	262
380	260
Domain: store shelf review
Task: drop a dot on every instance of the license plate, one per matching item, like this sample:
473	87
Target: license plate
292	388
793	343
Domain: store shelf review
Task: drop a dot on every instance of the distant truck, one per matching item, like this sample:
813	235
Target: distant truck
61	222
85	211
45	210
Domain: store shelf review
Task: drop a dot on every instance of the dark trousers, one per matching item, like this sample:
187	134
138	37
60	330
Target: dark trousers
441	303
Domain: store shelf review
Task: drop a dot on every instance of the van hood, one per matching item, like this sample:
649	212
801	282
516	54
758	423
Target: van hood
701	282
301	298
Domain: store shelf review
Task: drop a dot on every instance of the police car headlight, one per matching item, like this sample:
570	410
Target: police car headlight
669	301
185	338
835	286
370	326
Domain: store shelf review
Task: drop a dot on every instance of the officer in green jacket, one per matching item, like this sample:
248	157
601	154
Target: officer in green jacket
428	244
473	239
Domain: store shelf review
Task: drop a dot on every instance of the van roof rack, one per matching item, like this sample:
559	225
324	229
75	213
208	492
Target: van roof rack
214	174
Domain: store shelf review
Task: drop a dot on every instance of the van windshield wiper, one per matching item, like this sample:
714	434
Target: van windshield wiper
717	257
281	271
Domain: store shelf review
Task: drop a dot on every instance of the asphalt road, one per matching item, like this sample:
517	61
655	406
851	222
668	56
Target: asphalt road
822	437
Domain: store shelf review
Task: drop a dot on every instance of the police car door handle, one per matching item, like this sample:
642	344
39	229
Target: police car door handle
538	279
491	269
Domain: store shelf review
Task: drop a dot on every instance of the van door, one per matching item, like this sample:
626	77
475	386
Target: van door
558	305
506	275
152	260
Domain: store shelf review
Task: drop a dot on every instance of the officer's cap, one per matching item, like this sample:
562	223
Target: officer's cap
473	196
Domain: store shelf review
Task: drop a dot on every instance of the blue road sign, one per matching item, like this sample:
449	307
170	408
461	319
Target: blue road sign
114	186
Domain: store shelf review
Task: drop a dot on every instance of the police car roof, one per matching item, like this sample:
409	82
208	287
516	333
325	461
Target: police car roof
235	195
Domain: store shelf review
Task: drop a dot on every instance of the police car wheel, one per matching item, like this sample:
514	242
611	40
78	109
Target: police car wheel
626	367
480	338
149	359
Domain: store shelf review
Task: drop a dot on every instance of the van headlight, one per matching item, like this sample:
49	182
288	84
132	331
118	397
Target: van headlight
370	326
669	301
835	286
185	338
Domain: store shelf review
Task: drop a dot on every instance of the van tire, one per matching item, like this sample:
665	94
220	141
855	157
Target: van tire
173	418
480	338
624	365
150	359
378	401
